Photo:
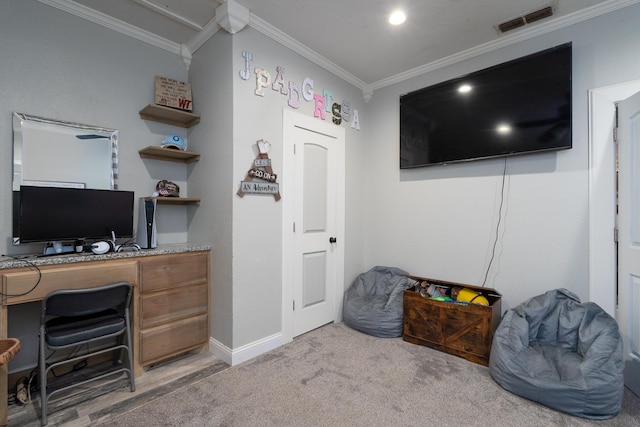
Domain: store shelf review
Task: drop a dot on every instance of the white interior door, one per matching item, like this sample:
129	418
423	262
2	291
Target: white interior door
314	230
313	270
628	308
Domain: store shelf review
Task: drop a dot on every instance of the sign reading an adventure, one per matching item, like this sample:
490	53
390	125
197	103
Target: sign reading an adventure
260	178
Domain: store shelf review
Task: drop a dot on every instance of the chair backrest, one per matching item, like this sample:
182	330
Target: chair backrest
86	301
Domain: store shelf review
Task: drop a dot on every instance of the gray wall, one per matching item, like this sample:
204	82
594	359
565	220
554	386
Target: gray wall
437	222
247	232
67	68
60	66
257	309
449	213
211	77
64	67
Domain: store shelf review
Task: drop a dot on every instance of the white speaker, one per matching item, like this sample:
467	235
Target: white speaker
146	233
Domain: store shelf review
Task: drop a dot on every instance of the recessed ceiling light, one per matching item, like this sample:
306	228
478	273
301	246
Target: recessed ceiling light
397	17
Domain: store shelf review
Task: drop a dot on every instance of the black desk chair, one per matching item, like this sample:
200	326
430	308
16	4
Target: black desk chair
77	320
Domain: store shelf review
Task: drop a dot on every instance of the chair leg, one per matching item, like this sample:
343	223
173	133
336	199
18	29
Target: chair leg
132	380
42	376
119	355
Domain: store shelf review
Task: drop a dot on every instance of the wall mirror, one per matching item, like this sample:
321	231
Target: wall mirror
48	152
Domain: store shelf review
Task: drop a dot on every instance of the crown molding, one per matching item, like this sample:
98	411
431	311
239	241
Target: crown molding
280	37
186	55
200	38
288	41
114	24
506	40
520	35
232	16
169	14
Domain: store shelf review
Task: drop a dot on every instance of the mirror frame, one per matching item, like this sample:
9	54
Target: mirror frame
49	131
83	132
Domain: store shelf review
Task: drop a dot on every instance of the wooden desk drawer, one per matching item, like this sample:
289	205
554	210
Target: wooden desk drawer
66	276
167	306
171	271
172	339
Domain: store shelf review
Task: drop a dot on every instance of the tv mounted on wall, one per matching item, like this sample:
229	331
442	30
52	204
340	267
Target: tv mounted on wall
49	214
521	106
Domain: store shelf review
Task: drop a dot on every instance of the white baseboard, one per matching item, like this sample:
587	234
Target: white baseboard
245	352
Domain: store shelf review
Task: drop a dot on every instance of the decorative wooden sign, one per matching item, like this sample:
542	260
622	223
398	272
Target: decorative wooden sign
260	178
173	93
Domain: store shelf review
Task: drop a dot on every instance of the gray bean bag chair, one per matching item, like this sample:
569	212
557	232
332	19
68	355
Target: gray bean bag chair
562	353
373	302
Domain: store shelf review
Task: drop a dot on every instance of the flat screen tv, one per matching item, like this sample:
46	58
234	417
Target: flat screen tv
49	214
521	106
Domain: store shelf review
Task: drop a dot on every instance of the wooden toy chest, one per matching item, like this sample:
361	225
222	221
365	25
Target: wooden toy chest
463	330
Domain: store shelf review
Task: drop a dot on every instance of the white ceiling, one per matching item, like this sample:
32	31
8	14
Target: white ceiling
349	37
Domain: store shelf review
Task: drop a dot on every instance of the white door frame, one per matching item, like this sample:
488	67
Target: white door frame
290	120
602	188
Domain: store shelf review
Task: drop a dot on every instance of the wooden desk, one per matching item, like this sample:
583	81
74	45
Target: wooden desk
170	305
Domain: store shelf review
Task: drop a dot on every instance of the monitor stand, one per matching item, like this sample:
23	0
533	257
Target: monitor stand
57	248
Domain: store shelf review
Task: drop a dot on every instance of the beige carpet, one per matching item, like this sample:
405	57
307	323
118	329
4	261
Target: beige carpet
335	376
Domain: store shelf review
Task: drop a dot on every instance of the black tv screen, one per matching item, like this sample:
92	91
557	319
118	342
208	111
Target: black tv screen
521	106
65	214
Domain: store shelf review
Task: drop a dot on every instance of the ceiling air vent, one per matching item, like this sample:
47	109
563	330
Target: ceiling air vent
511	24
521	21
538	15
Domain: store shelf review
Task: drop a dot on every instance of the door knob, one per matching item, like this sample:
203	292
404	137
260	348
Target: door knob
332	240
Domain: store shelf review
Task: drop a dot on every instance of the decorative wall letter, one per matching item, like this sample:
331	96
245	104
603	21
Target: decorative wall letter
319	107
263	79
346	110
328	99
294	96
307	89
336	113
324	104
279	81
246	73
356	121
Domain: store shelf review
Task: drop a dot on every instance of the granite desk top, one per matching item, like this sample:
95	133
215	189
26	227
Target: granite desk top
16	261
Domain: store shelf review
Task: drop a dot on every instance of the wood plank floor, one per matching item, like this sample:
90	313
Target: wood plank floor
97	402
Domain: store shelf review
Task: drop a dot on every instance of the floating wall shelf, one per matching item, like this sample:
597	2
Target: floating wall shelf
169	154
176	200
171	116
